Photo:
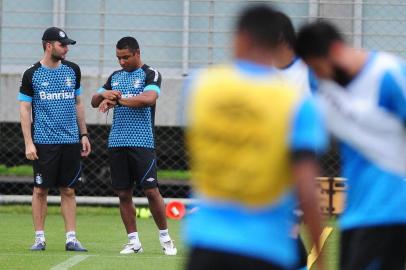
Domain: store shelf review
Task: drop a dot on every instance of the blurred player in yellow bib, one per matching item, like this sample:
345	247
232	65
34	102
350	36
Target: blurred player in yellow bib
252	141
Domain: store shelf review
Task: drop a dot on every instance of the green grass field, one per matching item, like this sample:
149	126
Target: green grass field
101	231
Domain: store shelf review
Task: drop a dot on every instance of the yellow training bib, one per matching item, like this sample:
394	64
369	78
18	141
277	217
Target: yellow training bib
238	136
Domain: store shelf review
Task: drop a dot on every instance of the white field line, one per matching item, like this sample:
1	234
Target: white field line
70	262
139	256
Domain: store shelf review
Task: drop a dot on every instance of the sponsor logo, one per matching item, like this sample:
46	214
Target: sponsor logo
128	95
62	34
38	179
45	84
55	96
114	84
150	179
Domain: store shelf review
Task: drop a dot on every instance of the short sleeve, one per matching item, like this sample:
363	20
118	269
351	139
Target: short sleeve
392	93
106	86
78	75
26	89
308	130
153	80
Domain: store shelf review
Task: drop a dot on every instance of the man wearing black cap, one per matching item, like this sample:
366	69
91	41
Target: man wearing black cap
56	135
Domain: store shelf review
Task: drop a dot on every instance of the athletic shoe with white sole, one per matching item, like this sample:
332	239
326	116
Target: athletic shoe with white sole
169	248
75	245
38	245
131	248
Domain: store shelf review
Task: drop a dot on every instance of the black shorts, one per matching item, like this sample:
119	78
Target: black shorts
133	164
203	259
378	248
58	165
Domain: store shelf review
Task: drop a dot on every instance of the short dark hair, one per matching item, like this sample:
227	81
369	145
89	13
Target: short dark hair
128	43
285	32
315	39
266	26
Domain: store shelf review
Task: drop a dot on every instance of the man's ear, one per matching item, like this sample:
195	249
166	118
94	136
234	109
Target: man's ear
336	49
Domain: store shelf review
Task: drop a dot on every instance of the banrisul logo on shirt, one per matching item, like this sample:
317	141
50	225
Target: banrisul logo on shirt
55	96
128	95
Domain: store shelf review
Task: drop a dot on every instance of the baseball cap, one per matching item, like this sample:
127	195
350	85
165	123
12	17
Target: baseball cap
57	34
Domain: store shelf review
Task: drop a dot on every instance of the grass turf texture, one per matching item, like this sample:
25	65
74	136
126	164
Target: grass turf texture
101	231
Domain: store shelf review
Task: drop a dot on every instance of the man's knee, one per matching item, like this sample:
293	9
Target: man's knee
124	195
152	193
40	192
67	192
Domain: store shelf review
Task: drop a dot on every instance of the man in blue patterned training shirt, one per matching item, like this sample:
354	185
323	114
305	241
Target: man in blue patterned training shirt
50	91
133	92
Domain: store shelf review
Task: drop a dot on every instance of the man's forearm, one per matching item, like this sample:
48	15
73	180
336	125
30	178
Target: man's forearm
80	112
96	100
25	118
305	173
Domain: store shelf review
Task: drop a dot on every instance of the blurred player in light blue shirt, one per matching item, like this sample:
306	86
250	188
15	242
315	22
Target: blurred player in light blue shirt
252	139
293	69
363	95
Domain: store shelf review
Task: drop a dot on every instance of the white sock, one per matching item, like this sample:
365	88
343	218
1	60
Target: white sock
133	237
70	236
164	235
40	235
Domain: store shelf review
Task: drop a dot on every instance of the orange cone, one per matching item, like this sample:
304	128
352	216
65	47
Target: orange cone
175	210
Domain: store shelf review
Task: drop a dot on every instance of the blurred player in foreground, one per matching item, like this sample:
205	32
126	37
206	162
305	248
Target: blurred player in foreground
133	92
51	107
300	76
285	59
363	95
252	142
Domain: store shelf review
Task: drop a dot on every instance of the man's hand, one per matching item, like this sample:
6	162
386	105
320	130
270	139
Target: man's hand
31	152
111	95
106	105
85	146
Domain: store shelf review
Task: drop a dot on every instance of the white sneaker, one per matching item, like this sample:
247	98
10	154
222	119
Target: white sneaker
131	248
169	248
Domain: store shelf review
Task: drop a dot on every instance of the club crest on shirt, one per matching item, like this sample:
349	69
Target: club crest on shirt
68	81
137	83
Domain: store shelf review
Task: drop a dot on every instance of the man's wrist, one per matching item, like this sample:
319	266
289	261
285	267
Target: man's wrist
118	104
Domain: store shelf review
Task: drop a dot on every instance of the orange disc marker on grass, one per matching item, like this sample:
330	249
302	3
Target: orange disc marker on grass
175	210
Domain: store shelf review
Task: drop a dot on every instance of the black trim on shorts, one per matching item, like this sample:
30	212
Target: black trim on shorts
204	259
378	248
